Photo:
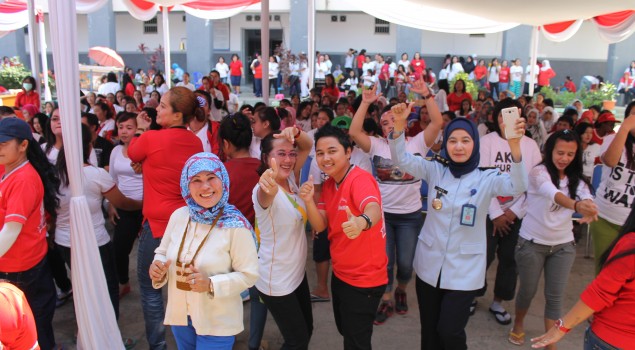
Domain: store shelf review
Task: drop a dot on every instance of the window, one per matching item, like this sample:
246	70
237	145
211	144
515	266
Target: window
381	26
477	35
150	27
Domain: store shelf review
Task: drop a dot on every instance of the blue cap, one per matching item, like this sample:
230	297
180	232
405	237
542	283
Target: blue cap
14	128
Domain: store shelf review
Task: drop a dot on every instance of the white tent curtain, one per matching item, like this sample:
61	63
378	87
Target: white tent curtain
565	34
618	32
139	13
95	316
215	14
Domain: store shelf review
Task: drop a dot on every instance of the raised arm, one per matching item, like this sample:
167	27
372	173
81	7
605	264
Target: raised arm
356	131
431	133
612	155
317	218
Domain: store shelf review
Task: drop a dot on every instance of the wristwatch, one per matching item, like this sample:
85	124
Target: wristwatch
560	326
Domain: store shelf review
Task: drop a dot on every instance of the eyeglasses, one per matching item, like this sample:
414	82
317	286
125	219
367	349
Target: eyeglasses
291	155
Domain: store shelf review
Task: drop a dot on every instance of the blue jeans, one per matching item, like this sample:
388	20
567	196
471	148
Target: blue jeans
39	290
402	231
503	87
151	299
258	87
257	319
593	342
186	338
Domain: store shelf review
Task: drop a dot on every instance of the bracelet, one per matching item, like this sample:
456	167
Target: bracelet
428	97
298	134
369	223
575	206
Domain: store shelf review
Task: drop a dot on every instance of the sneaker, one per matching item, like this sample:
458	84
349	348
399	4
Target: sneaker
401	301
385	310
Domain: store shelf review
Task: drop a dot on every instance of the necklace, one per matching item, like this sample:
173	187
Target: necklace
338	183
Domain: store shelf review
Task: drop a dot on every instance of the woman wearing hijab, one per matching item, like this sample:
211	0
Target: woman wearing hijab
450	258
207	257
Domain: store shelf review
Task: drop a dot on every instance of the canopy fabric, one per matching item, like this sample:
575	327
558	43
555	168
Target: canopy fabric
13	15
145	10
95	316
612	27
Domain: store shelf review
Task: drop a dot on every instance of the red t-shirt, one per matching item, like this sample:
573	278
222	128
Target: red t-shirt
612	296
243	177
258	72
503	75
25	98
570	86
334	92
129	89
544	76
419	65
22	201
163	154
360	262
480	72
360	61
454	101
17	323
234	68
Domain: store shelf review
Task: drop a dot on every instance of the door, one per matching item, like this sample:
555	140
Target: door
252	45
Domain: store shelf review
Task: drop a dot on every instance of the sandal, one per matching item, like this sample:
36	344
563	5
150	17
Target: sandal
502	318
516	338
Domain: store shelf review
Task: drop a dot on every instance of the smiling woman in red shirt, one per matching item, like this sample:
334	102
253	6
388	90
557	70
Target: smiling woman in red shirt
28	191
609	298
28	95
162	154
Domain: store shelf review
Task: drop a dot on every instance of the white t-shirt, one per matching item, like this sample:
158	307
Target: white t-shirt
96	182
305	124
615	194
400	192
321	69
223	69
495	152
456	68
108	88
202	135
283	242
493	74
233	103
274	68
516	73
348	62
548	223
162	89
405	64
588	159
129	182
216	113
105	127
370	80
294	68
366	66
358	158
54	153
188	85
528	73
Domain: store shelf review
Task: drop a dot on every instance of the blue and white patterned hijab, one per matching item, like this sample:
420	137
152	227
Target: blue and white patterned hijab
231	217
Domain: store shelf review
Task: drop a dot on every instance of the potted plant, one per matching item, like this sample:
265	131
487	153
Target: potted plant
608	93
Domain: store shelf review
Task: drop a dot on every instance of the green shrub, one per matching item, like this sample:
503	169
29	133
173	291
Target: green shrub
470	85
11	77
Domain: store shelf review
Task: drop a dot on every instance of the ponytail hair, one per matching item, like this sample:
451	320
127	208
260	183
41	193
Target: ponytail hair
48	176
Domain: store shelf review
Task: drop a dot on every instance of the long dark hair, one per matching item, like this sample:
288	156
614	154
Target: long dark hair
236	129
48	175
630	140
628	227
502	104
574	170
266	146
60	165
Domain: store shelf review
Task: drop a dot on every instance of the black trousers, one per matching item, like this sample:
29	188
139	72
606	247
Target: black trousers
503	248
108	263
126	231
58	269
39	290
354	309
293	315
444	314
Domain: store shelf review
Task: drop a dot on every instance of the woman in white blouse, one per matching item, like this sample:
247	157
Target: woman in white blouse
223	69
207	257
557	189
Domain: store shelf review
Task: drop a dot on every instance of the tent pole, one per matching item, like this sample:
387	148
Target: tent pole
43	57
533	59
35	69
264	55
311	45
166	45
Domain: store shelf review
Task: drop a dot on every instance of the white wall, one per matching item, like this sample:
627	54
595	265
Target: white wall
357	32
586	44
82	34
130	33
436	43
239	22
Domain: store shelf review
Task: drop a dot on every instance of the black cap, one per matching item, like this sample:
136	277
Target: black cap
14	128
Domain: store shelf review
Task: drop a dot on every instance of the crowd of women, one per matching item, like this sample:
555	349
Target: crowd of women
218	206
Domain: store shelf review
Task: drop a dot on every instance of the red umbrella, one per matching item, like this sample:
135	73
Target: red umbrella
105	56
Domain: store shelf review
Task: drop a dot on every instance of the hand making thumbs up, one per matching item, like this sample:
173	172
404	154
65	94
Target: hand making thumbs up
268	179
307	190
353	227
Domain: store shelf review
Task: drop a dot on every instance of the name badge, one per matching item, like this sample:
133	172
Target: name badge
468	215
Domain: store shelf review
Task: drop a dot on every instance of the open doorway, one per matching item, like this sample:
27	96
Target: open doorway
251	42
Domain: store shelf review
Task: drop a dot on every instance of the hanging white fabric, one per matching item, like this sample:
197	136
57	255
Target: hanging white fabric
95	316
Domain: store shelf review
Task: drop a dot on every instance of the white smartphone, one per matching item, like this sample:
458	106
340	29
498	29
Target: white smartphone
510	115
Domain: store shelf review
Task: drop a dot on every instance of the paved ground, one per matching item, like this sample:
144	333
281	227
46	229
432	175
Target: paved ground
399	332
